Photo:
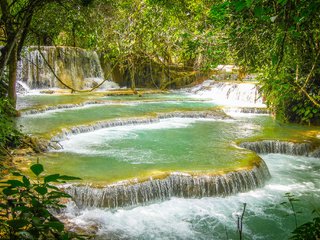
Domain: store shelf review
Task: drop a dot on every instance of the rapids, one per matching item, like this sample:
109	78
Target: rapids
178	165
215	218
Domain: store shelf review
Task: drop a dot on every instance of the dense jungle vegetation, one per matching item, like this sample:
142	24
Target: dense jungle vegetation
165	44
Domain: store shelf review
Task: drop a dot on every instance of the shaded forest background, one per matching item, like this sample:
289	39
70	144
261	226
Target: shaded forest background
167	44
160	44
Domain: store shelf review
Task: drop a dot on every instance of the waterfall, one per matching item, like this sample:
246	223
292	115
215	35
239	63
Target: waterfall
283	147
194	114
60	107
217	115
230	93
76	67
175	185
251	110
22	87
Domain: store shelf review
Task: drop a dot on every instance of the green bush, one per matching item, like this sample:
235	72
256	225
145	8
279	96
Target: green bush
286	100
309	230
25	205
9	135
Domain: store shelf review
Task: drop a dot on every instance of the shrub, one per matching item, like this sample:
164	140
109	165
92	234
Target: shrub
25	210
9	135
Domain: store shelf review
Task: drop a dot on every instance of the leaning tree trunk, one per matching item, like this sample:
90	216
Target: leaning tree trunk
13	61
132	78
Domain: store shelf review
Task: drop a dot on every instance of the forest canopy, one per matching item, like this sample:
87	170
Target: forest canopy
280	41
172	43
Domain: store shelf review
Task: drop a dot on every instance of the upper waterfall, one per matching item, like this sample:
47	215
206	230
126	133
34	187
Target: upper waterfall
230	93
76	67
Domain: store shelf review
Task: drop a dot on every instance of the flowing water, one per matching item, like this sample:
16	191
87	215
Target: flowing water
174	166
76	67
215	218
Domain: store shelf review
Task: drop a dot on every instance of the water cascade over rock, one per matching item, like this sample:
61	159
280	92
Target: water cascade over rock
250	110
230	93
60	107
283	147
175	185
217	115
76	67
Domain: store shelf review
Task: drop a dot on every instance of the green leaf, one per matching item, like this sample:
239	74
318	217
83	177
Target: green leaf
306	112
36	220
17	224
51	178
283	2
15	183
41	190
54	195
35	202
9	191
258	11
249	2
3	205
53	187
56	225
275	59
65	177
16	174
37	169
26	181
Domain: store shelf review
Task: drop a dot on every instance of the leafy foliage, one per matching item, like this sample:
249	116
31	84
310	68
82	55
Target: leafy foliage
9	135
25	208
280	40
309	230
153	43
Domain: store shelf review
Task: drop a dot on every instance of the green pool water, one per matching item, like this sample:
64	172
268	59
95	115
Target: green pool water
51	121
172	145
39	101
196	146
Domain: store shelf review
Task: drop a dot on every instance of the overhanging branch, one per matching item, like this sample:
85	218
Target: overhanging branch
66	85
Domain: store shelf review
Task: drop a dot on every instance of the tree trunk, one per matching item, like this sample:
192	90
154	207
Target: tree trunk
133	83
74	35
13	61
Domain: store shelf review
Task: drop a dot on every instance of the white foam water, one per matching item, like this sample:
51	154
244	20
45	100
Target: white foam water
229	93
87	143
214	218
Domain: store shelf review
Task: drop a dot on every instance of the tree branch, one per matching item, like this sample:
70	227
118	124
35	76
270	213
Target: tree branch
310	97
69	87
312	69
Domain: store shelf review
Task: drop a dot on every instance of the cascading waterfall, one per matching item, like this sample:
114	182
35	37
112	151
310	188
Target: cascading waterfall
283	147
250	110
102	124
229	93
218	115
22	87
175	185
151	176
76	67
60	107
